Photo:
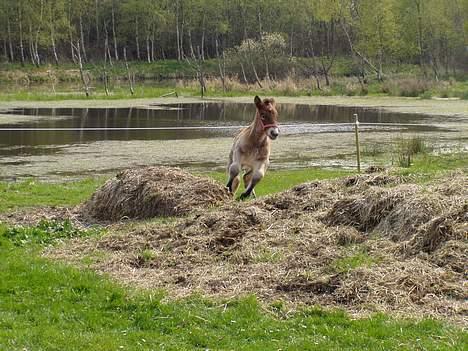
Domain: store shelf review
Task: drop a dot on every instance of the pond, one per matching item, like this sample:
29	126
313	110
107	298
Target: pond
125	135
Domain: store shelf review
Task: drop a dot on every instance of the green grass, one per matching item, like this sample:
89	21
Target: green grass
48	306
32	194
358	258
427	166
44	233
280	180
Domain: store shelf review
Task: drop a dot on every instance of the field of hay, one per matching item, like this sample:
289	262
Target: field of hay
364	243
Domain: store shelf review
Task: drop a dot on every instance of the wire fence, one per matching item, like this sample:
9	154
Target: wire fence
349	124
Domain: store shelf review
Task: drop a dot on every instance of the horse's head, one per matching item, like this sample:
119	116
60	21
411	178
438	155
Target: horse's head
268	116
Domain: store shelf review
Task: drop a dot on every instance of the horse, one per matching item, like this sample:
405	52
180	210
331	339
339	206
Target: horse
251	148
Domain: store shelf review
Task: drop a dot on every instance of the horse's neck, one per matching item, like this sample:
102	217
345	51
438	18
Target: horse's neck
256	134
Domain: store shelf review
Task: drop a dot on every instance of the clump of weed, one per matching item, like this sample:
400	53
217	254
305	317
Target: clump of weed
44	233
406	148
357	259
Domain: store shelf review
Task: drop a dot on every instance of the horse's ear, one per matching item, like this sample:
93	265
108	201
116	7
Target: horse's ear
258	101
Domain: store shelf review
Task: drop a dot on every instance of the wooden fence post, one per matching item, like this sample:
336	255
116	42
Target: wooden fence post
358	151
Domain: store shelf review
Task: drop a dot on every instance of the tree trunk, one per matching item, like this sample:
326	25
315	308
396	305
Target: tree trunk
36	52
152	46
10	44
107	52
83	49
105	79
137	39
221	66
420	36
243	73
203	39
5	49
179	56
116	51
54	49
96	6
52	36
20	25
80	66
192	52
31	47
129	75
291	36
148	50
70	34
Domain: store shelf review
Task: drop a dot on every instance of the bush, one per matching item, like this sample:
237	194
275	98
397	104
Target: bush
408	87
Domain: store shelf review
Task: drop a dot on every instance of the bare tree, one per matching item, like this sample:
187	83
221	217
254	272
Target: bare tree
84	79
197	64
221	66
130	76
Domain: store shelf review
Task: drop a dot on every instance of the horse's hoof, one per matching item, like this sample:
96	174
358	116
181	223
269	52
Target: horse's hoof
243	196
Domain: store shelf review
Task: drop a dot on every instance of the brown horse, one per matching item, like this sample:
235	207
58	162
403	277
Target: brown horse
251	149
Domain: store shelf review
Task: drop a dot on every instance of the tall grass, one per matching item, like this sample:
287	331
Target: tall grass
406	148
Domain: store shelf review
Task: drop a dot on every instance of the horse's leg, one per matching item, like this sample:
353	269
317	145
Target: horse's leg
247	179
234	178
257	174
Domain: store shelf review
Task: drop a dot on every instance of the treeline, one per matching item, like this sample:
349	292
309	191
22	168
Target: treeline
431	33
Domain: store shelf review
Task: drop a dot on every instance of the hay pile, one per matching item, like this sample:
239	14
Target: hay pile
152	192
396	247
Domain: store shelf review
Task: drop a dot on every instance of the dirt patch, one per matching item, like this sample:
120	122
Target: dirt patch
153	192
396	247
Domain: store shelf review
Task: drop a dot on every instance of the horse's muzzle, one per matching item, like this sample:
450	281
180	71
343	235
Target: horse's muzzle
273	133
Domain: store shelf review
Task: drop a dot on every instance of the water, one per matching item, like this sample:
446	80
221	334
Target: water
299	118
304	142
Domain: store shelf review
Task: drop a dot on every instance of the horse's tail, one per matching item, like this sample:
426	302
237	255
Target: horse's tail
230	160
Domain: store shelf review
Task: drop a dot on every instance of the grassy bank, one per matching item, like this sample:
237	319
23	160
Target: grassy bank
162	77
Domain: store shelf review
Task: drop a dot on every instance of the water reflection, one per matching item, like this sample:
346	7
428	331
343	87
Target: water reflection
304	119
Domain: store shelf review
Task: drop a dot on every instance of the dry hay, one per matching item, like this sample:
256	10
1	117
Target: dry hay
32	216
151	192
288	246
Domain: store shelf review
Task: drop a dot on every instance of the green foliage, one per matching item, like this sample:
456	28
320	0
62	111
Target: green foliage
44	233
270	34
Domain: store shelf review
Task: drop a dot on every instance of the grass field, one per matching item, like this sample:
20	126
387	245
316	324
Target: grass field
46	305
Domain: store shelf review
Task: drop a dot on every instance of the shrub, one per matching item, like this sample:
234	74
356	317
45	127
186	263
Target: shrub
409	87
